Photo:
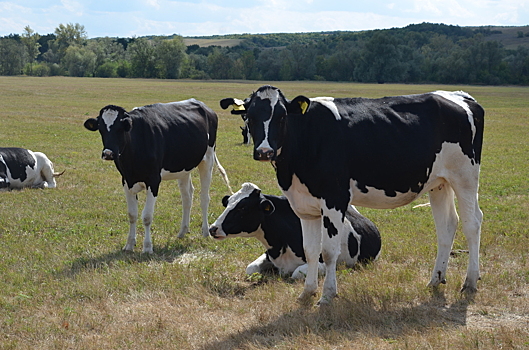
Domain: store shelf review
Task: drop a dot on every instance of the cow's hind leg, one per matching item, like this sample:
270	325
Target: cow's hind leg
445	217
205	169
332	233
147	217
186	191
471	219
312	244
46	171
132	208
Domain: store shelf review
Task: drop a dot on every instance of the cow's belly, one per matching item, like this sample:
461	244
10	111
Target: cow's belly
167	175
375	198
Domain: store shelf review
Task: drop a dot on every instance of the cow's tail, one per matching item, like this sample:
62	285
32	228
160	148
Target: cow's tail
223	173
58	174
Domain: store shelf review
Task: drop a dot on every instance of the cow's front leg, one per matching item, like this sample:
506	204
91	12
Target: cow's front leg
260	265
332	232
311	230
132	208
147	216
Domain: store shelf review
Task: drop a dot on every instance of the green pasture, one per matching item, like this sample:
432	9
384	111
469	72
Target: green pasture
66	284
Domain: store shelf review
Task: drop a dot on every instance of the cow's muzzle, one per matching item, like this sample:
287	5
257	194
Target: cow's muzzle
264	154
4	183
107	155
214	232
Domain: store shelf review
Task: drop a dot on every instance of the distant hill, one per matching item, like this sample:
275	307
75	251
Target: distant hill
203	42
509	37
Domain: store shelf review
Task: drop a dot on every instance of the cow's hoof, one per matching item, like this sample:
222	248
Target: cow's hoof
128	248
305	298
183	232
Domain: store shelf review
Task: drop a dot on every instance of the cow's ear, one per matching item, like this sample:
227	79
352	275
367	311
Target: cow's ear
91	124
225	201
237	105
126	123
299	105
226	102
267	206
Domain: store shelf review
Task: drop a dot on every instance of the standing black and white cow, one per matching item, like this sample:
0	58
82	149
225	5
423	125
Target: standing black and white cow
378	153
22	168
270	219
163	141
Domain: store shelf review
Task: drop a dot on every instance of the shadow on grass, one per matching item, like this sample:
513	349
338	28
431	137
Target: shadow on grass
167	253
347	320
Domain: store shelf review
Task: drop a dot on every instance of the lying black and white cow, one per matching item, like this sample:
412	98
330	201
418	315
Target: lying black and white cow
22	168
378	153
270	219
163	141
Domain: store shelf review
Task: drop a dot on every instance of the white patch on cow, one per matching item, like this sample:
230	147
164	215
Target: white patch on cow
302	202
109	117
377	199
458	97
449	162
329	103
265	145
168	175
137	187
272	97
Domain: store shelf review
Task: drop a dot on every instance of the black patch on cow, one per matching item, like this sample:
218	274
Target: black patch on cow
331	229
370	242
17	160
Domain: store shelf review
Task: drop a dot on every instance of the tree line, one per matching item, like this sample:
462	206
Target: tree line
420	53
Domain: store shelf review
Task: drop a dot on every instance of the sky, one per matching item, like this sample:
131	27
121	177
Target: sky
135	18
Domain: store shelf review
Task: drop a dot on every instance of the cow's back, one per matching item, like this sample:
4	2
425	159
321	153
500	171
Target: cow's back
175	135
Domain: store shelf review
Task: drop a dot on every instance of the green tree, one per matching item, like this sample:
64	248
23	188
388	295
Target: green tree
12	57
171	55
68	35
79	61
143	58
30	39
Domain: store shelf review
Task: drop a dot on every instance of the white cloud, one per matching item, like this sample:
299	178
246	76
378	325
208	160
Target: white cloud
206	17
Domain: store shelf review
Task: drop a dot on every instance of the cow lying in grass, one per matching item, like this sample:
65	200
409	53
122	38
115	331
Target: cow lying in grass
249	213
21	168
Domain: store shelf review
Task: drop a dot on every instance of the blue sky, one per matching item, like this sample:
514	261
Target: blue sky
216	17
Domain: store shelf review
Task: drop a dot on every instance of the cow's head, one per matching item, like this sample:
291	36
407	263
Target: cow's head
244	213
113	124
265	111
4	178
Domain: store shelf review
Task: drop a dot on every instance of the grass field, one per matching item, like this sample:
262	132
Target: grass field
66	284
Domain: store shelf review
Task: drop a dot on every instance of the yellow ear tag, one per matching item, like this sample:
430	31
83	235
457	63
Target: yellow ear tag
237	107
303	105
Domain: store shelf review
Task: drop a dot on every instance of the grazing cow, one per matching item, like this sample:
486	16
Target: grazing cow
163	141
378	153
22	168
270	219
